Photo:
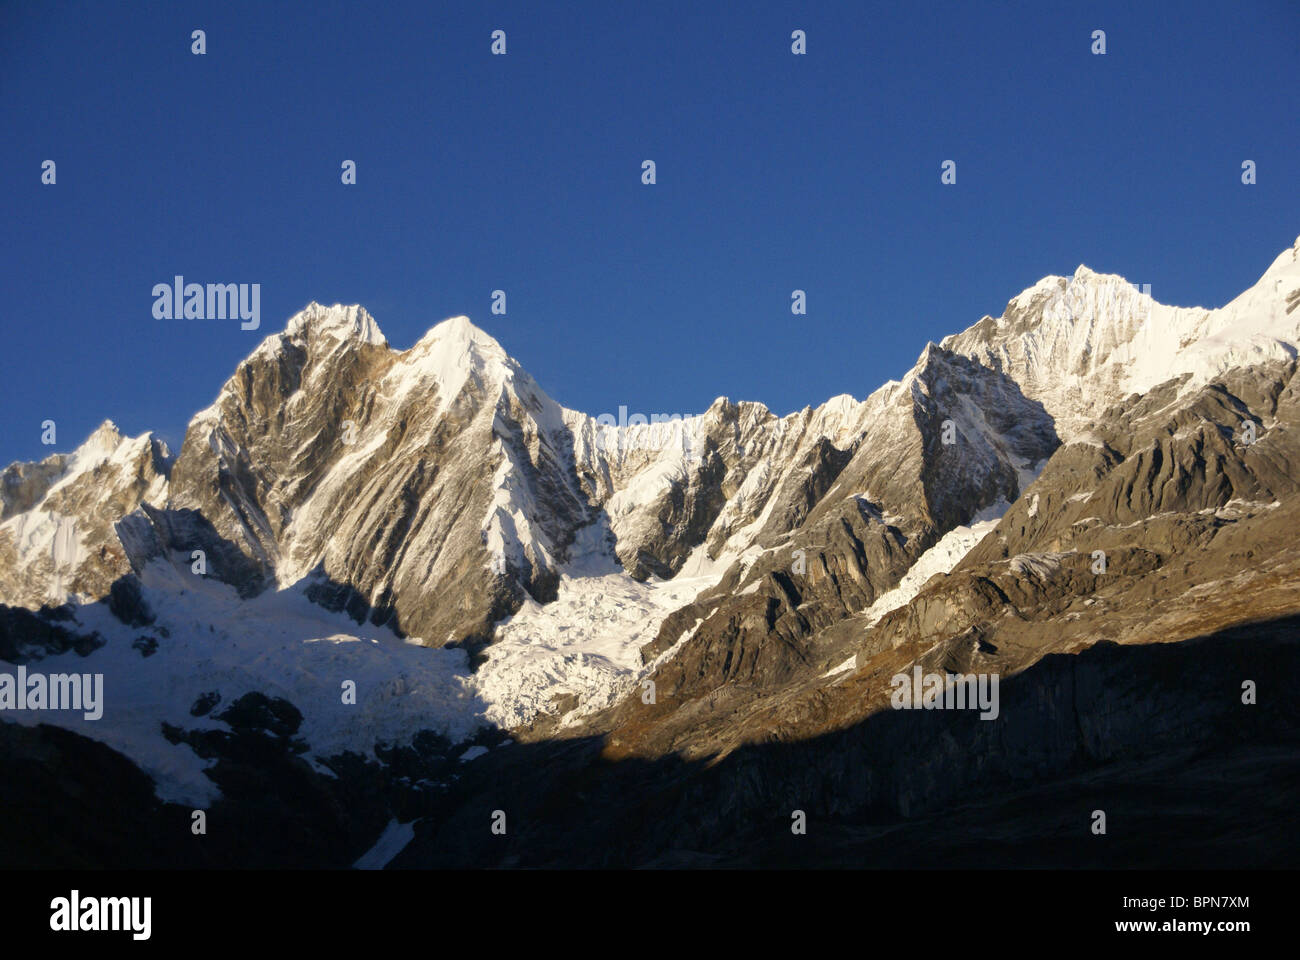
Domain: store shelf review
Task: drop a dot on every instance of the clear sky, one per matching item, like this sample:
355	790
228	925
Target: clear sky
523	172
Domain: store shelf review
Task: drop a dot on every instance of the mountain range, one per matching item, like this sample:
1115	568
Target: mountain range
649	644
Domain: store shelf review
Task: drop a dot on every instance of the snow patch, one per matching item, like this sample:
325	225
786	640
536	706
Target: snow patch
844	667
390	843
939	559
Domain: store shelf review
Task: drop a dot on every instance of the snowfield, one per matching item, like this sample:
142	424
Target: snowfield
586	643
281	644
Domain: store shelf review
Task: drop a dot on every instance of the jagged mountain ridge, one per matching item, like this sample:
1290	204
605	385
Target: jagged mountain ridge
329	451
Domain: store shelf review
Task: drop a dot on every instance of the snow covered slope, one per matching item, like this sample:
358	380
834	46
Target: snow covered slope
1079	344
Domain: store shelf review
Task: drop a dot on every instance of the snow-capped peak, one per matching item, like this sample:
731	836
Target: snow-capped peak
450	354
928	354
457	336
1080	343
343	322
104	440
107	443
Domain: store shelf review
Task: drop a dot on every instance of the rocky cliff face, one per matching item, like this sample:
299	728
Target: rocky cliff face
1168	522
398	476
950	440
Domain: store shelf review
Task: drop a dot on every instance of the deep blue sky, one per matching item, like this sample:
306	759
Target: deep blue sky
522	172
